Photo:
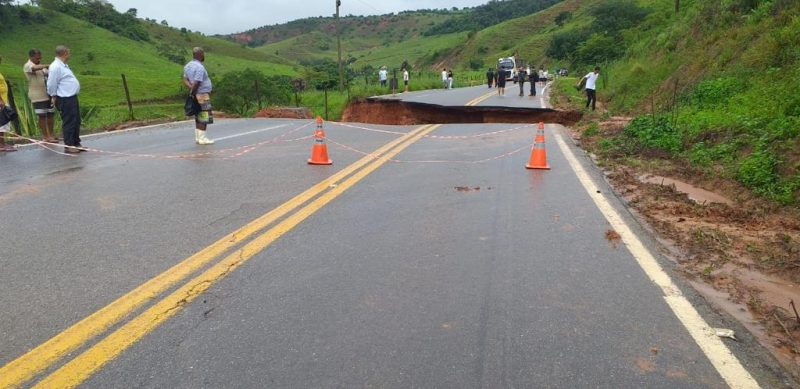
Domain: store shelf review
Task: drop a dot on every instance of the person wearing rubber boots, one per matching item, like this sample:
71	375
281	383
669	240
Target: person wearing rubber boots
195	77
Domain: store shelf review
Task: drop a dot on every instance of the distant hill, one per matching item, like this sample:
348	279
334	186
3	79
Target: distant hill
393	27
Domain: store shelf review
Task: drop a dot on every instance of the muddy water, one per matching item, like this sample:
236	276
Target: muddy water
776	291
698	195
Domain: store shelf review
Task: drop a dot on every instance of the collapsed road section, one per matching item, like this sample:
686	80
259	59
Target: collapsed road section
393	112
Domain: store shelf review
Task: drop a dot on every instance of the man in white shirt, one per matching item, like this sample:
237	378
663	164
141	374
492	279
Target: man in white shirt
36	74
383	75
591	86
444	78
405	79
64	88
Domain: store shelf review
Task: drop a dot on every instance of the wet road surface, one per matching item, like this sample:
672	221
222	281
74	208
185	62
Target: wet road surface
444	264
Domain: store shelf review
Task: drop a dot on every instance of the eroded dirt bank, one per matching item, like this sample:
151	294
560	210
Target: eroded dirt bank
406	113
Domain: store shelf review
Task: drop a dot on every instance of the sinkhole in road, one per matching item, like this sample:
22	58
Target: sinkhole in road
395	112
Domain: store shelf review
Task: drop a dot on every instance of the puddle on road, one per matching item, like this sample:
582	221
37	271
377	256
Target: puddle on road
698	195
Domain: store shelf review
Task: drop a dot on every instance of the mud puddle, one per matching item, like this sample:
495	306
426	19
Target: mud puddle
392	112
698	195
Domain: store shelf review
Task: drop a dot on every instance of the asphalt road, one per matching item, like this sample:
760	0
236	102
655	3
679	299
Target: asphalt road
449	265
481	96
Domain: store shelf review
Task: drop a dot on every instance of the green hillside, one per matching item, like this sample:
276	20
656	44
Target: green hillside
379	29
528	36
99	57
712	87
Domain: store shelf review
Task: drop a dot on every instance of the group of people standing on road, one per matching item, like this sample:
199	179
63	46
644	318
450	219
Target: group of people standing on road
54	87
50	87
498	79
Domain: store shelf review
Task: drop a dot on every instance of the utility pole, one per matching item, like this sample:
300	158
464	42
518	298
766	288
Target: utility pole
339	46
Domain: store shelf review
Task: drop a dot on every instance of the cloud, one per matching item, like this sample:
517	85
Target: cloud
229	16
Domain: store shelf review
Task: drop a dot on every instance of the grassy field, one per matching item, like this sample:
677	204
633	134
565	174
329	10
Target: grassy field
100	57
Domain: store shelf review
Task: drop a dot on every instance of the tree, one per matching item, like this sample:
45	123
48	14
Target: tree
101	14
599	48
562	17
565	44
613	16
243	92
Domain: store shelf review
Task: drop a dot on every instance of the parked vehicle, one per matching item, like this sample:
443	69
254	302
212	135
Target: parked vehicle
509	65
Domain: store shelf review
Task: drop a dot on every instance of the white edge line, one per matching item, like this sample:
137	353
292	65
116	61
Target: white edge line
717	352
250	132
541	99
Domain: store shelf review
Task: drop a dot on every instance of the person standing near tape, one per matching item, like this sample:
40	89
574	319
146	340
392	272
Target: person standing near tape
63	88
36	74
591	86
5	124
195	77
405	80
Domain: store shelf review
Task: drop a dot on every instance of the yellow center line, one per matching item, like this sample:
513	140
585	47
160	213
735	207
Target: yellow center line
32	363
84	365
479	99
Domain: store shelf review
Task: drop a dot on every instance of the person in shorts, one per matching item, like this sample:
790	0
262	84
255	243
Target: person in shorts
36	74
195	77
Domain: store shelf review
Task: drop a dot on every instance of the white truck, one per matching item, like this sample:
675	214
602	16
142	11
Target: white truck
509	65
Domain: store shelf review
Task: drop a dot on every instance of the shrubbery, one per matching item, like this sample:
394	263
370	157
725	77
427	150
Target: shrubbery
244	92
101	14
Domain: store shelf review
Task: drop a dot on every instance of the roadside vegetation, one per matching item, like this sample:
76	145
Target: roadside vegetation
711	87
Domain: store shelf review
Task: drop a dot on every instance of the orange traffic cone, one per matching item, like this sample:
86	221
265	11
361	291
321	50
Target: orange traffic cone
319	152
539	134
538	153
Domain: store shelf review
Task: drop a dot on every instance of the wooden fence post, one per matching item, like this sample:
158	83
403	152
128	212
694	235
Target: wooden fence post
128	97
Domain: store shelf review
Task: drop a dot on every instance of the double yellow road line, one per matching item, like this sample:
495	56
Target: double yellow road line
72	373
479	99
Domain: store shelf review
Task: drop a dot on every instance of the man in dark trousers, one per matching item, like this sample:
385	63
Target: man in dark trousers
490	77
521	78
534	79
591	87
64	88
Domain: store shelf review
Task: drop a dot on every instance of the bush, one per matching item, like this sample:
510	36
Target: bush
599	48
101	14
715	92
565	44
475	64
654	132
243	92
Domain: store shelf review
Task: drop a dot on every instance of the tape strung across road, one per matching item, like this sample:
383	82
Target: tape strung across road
727	365
241	150
43	357
501	156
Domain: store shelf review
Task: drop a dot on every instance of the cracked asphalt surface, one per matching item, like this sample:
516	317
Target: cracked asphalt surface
404	280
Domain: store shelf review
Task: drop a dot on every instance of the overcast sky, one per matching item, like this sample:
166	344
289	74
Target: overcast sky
229	16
